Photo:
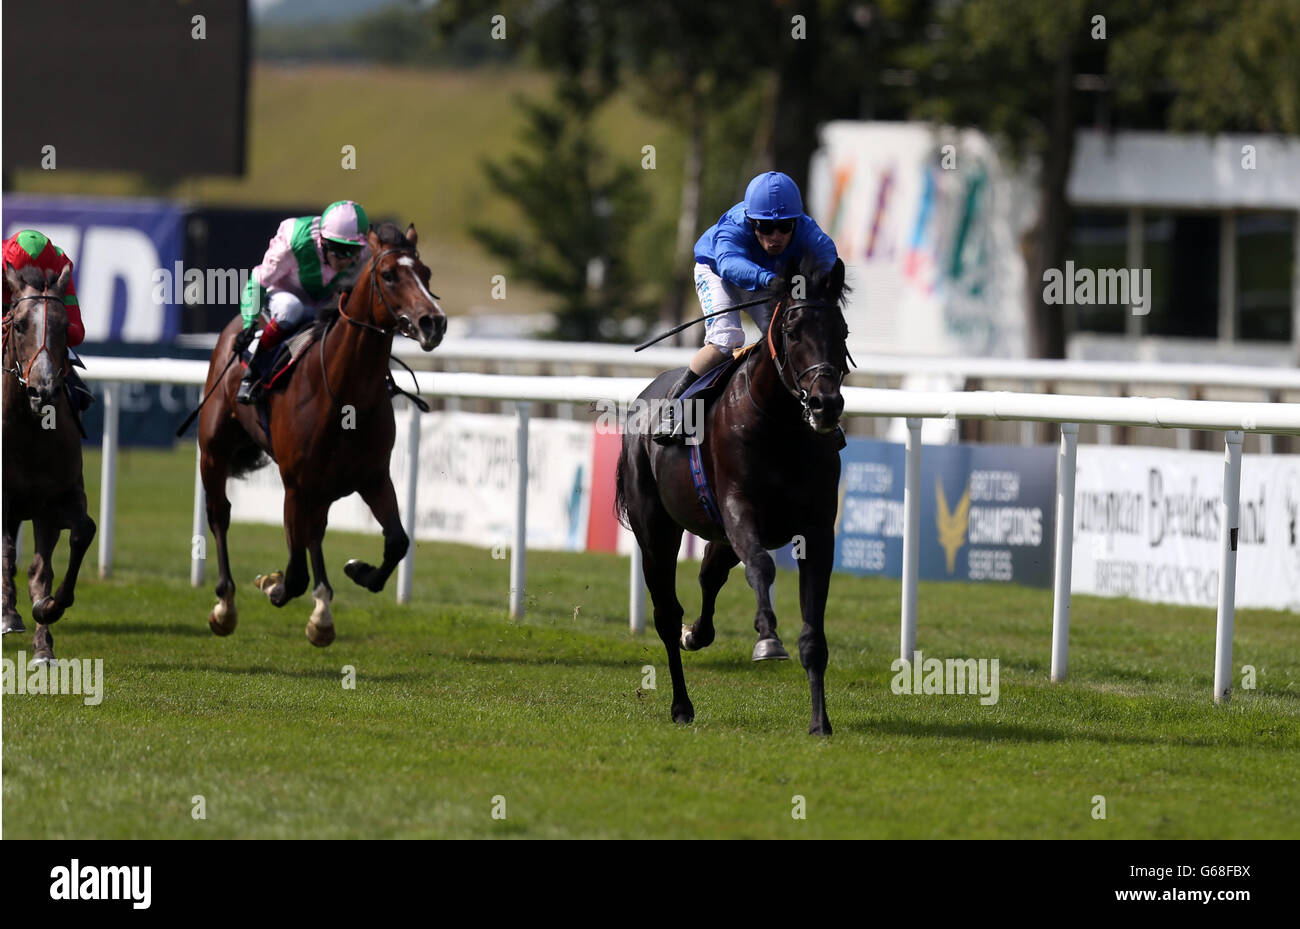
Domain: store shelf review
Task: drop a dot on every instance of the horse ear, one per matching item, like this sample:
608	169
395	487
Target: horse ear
11	278
791	271
372	240
837	277
61	284
411	235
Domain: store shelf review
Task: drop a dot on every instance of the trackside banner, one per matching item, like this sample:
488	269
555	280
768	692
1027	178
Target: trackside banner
116	246
987	512
1147	524
466	490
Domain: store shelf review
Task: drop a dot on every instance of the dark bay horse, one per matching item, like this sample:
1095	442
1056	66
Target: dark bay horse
770	452
331	428
42	452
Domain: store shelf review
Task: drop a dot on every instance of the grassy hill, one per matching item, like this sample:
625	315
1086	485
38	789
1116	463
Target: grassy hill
420	138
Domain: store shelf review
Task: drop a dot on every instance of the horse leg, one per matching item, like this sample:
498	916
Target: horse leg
719	559
382	500
282	586
814	585
320	628
82	532
40	575
760	572
213	468
660	538
39	578
11	621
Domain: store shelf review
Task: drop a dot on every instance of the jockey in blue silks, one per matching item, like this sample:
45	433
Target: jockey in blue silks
737	261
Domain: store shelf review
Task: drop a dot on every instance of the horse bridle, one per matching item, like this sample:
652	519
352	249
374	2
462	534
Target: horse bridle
821	369
375	288
24	375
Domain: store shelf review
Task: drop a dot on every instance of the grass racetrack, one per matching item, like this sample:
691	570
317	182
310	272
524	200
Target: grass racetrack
455	706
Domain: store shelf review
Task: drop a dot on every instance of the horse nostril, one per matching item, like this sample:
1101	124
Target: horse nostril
815	403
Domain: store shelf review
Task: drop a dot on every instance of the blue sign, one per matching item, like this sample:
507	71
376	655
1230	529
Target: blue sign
988	512
117	247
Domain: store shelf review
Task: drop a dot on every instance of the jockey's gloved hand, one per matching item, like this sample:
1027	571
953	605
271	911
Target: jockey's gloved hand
244	339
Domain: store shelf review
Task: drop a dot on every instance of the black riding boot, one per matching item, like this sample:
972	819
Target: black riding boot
670	431
79	395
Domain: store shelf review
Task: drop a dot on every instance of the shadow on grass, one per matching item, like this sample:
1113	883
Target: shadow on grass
328	674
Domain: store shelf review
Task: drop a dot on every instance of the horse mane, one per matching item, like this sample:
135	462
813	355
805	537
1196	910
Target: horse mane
818	282
32	276
390	234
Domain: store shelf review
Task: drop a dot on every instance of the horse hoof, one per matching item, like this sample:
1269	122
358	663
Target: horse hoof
767	649
222	622
824	729
684	716
12	624
688	638
44	657
268	582
320	636
47	611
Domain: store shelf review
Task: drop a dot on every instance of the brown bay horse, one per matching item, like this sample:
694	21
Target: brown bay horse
331	428
770	451
42	452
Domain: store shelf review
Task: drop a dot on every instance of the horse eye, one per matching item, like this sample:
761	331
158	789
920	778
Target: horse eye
389	276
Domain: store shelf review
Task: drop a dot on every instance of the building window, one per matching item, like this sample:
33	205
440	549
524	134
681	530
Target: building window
1265	269
1099	240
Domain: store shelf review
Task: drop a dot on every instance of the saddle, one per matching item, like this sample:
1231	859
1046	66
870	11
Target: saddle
710	384
708	388
275	370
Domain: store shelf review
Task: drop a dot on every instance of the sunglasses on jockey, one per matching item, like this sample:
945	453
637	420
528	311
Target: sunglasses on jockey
342	250
768	226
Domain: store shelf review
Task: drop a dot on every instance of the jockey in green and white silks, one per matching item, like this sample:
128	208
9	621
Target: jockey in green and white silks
301	273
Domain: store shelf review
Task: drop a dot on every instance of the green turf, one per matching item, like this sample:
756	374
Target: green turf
454	705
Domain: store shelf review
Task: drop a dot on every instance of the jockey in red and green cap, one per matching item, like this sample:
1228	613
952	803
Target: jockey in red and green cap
302	272
29	248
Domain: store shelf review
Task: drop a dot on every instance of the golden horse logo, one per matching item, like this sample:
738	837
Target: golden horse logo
951	523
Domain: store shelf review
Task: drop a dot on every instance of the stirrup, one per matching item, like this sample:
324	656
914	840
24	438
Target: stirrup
671	430
248	389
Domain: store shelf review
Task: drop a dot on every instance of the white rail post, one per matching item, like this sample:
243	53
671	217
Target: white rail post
911	538
406	568
636	592
1227	566
108	477
1065	467
518	550
199	554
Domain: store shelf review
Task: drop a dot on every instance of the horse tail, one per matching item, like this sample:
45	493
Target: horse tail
620	485
246	460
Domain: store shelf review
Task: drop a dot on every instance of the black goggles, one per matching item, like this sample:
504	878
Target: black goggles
341	250
768	226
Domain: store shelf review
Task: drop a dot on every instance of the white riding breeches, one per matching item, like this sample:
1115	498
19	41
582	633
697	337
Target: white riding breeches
286	309
724	332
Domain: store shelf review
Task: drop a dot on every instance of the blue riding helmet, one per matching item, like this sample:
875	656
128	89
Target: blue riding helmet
773	195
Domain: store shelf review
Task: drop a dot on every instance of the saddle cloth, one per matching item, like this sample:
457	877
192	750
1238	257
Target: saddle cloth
285	357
